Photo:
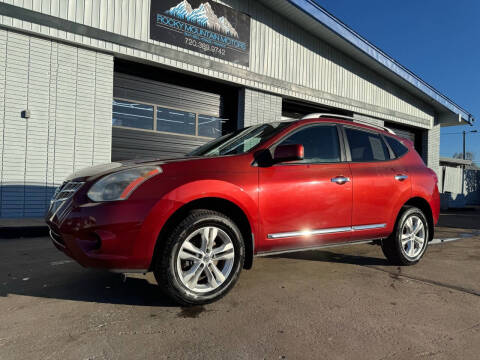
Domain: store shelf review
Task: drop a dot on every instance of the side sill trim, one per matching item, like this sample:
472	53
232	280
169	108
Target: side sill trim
369	227
326	231
331	245
307	233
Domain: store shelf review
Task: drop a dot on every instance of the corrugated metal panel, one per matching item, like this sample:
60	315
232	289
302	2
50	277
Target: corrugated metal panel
103	109
410	135
37	127
85	109
66	111
3	60
134	144
279	49
52	110
58	85
453	180
130	143
15	128
168	95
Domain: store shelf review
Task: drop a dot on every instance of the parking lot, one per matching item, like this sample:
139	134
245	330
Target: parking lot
341	303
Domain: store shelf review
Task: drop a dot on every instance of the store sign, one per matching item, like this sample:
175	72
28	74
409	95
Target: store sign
206	27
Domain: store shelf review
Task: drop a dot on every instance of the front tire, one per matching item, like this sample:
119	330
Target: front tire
409	240
201	259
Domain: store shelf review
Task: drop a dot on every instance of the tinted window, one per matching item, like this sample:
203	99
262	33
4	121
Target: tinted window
320	143
398	148
176	121
240	141
366	146
133	115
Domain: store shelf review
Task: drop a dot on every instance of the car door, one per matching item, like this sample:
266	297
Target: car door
306	203
377	188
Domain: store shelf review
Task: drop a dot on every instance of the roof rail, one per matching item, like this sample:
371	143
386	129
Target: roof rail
346	117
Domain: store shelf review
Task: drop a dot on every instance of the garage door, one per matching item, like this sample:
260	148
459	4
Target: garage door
155	119
404	133
292	109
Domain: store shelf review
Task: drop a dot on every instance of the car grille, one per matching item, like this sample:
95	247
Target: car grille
66	190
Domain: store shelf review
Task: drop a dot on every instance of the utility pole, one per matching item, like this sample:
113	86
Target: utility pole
464	146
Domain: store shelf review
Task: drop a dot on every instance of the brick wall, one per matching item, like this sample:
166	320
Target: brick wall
257	107
431	147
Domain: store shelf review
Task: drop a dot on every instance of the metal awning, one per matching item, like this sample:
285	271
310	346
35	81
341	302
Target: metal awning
454	161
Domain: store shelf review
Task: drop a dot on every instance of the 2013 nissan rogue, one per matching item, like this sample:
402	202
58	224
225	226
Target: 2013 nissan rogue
197	221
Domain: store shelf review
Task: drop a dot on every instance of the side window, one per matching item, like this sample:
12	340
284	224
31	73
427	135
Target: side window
398	148
320	143
366	146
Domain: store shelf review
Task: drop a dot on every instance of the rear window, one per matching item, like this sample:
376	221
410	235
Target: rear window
398	148
366	146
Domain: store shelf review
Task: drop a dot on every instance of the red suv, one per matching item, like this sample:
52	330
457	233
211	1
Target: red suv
267	189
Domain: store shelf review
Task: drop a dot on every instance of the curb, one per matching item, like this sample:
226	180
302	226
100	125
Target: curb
12	232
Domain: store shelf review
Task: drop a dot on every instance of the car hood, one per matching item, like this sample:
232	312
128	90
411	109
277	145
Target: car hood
97	171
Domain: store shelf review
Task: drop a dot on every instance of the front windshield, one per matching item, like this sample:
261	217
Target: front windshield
240	141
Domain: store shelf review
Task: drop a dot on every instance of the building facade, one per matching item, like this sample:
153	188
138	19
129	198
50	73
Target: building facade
84	82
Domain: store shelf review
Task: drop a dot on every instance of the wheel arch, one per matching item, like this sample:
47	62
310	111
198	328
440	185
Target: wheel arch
423	205
222	205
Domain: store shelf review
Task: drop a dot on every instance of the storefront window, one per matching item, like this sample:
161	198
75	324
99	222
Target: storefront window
132	115
210	126
176	121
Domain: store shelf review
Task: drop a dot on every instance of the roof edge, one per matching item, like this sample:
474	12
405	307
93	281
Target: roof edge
455	161
339	28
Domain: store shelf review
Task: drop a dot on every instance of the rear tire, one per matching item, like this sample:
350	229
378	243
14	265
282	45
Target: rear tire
201	259
409	240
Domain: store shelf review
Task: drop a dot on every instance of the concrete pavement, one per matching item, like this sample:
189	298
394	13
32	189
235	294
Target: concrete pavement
335	304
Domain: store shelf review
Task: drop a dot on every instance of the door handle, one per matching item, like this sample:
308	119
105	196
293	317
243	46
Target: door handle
340	180
401	177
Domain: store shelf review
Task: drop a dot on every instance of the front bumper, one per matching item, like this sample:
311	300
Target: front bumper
102	235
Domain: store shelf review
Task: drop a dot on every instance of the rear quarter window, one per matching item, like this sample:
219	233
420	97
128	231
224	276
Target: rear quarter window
398	148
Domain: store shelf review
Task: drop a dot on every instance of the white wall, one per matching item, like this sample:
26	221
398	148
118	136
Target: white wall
290	61
68	91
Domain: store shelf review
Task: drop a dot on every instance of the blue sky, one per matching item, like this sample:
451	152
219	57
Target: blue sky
438	40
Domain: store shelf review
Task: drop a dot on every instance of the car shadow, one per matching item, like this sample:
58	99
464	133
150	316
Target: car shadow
31	267
78	284
333	257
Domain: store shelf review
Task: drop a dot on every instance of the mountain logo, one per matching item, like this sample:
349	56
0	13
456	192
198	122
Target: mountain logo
203	16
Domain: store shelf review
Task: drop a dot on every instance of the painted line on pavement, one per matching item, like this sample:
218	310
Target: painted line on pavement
62	262
441	241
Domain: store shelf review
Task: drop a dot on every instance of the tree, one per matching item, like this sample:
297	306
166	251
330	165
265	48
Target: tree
468	156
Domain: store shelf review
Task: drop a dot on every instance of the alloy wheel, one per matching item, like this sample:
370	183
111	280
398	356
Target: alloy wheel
205	259
413	237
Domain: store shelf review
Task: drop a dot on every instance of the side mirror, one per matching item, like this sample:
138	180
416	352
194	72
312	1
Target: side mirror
288	153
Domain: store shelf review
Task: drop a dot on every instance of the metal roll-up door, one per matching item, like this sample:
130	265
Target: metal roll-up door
149	97
410	135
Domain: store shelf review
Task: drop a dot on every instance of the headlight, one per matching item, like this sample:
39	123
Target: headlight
119	185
